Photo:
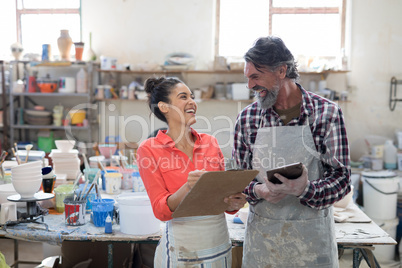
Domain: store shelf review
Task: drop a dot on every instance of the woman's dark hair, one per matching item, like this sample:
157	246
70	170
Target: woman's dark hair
158	89
271	52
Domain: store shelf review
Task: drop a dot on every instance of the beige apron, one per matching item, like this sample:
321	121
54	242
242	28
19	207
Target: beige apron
288	234
195	242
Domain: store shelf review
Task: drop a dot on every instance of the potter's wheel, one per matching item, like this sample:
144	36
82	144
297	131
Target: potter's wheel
33	211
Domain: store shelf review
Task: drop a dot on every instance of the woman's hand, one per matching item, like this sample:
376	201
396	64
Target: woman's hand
235	201
193	177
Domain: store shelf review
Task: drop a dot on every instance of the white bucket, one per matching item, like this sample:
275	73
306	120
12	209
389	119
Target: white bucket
386	253
380	194
136	215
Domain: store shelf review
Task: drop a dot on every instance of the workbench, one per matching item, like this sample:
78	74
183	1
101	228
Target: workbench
358	233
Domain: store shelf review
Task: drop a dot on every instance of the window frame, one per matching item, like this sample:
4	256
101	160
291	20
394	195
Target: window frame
291	10
39	11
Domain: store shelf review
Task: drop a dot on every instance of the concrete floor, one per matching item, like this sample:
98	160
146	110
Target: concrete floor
28	251
35	251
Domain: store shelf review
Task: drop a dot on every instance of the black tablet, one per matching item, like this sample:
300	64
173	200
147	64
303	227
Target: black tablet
291	172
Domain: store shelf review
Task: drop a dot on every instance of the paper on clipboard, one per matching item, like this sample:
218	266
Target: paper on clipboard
206	197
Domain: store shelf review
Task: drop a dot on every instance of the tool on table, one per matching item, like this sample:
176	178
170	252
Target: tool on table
77	179
123	162
28	147
92	184
16	156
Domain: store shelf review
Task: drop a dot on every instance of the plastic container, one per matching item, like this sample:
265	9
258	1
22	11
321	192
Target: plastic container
127	180
399	156
82	81
380	194
113	182
62	191
390	155
100	210
77	116
136	215
138	185
90	174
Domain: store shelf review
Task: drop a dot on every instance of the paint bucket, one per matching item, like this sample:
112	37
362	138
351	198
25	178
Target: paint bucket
113	182
127	181
386	253
100	210
380	194
136	215
74	211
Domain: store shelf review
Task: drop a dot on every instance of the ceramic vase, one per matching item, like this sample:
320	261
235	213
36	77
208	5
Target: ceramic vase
64	43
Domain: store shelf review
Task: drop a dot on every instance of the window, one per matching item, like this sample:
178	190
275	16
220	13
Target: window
40	21
309	28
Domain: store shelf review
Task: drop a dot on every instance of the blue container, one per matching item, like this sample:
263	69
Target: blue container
100	210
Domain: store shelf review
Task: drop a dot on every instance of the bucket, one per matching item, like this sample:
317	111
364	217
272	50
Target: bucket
100	210
74	211
380	194
136	215
127	181
386	253
113	182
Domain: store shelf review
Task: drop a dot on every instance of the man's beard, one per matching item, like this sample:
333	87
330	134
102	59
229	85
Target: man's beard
268	100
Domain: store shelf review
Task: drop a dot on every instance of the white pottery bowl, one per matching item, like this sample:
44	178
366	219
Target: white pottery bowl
33	164
29	177
64	145
27	188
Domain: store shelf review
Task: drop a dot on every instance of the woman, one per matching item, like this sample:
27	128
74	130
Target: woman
170	164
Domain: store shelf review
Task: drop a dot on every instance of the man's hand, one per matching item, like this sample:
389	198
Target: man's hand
292	187
274	193
264	191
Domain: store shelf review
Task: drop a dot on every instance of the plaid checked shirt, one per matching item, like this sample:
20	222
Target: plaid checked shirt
329	134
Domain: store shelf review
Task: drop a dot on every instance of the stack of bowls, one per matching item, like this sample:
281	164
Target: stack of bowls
27	178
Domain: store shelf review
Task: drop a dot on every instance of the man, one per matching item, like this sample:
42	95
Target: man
289	224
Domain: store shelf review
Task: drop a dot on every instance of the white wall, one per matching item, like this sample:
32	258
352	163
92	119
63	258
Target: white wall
137	31
376	57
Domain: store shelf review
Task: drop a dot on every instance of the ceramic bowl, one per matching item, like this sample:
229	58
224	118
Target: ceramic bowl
107	149
64	145
29	177
26	171
33	164
27	188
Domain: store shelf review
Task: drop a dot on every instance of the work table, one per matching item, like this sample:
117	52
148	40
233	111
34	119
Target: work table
358	232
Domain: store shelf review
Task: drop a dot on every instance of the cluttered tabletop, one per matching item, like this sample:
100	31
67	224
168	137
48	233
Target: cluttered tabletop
356	228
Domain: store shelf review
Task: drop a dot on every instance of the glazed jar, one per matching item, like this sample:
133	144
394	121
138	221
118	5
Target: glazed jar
64	43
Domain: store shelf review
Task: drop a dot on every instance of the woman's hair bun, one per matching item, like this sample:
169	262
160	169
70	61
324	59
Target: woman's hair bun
152	83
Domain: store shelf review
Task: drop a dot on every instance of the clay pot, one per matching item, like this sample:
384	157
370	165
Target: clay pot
64	43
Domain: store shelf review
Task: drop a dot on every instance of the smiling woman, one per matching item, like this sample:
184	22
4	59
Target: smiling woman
170	164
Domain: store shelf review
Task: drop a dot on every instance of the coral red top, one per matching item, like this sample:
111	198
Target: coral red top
164	168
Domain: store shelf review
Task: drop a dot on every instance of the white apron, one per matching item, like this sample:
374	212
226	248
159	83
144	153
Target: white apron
288	234
195	242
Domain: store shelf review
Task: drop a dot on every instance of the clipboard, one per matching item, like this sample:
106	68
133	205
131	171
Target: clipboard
206	197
